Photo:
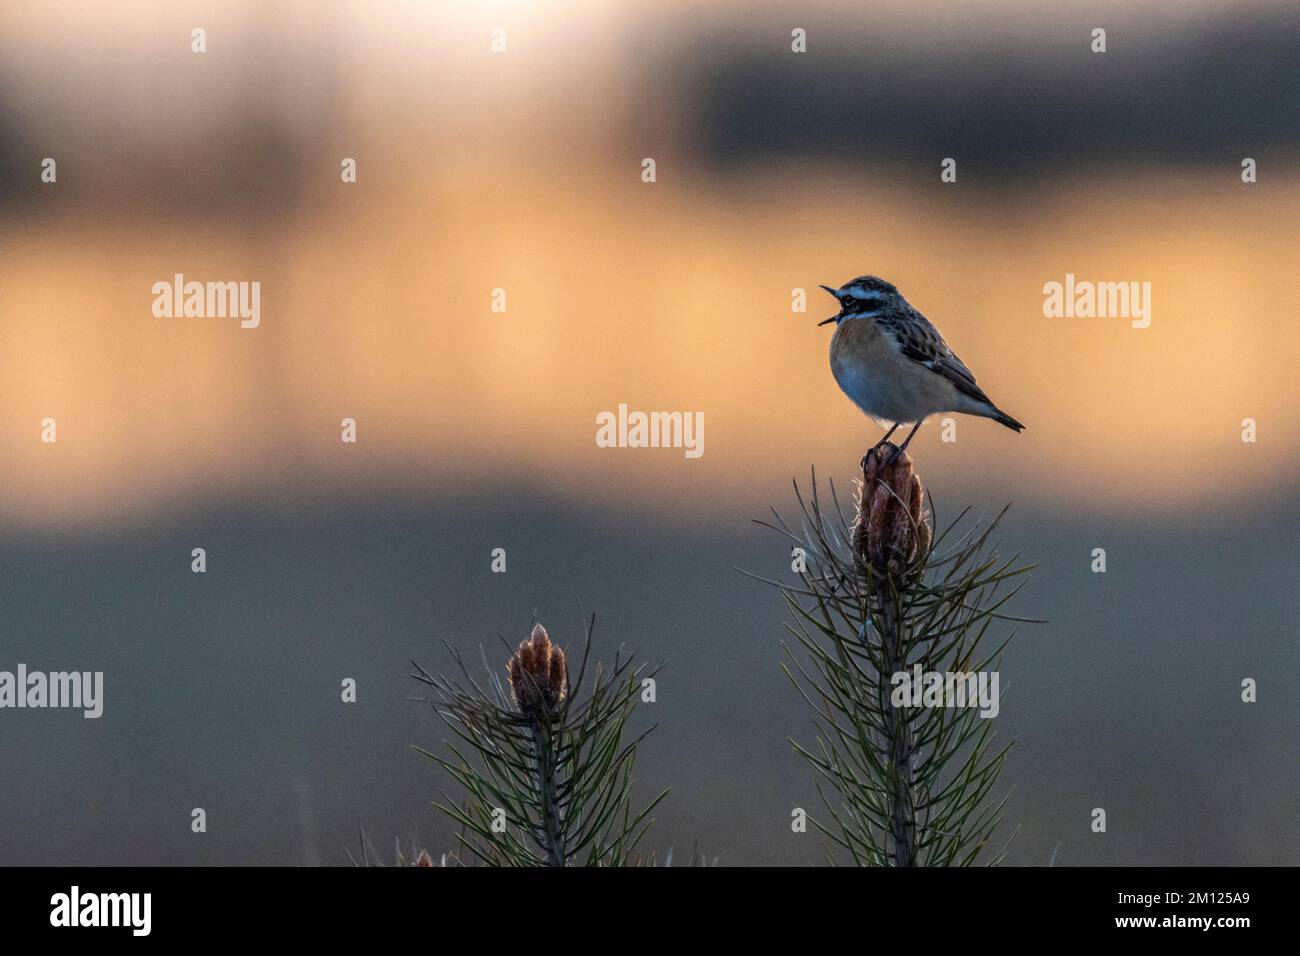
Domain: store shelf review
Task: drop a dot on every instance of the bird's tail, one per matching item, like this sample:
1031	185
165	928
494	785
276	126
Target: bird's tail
1002	418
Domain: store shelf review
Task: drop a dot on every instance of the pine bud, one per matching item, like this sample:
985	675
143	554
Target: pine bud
539	678
891	529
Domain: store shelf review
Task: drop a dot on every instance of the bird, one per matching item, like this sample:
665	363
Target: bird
895	366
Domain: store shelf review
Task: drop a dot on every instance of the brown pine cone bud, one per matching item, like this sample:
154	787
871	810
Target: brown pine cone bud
539	678
891	529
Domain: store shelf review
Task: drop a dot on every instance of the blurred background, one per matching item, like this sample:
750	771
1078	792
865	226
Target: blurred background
521	171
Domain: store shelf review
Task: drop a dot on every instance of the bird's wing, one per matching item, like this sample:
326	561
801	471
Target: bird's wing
918	340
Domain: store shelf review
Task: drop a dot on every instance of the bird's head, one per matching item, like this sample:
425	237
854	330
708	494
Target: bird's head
864	296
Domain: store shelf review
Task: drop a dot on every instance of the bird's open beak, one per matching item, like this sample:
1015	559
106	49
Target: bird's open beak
837	314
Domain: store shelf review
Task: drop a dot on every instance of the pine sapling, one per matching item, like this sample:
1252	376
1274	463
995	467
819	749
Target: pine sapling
551	775
905	780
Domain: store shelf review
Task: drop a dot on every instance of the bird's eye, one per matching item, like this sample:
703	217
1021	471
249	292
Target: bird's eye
849	302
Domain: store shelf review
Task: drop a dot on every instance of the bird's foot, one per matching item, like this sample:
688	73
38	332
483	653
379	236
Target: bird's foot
879	449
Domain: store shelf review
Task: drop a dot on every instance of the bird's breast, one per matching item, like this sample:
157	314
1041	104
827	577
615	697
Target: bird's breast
856	361
870	371
856	347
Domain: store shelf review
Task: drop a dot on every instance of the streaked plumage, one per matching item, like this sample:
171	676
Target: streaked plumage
894	365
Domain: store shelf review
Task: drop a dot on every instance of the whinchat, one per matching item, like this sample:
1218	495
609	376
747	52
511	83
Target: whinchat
894	365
